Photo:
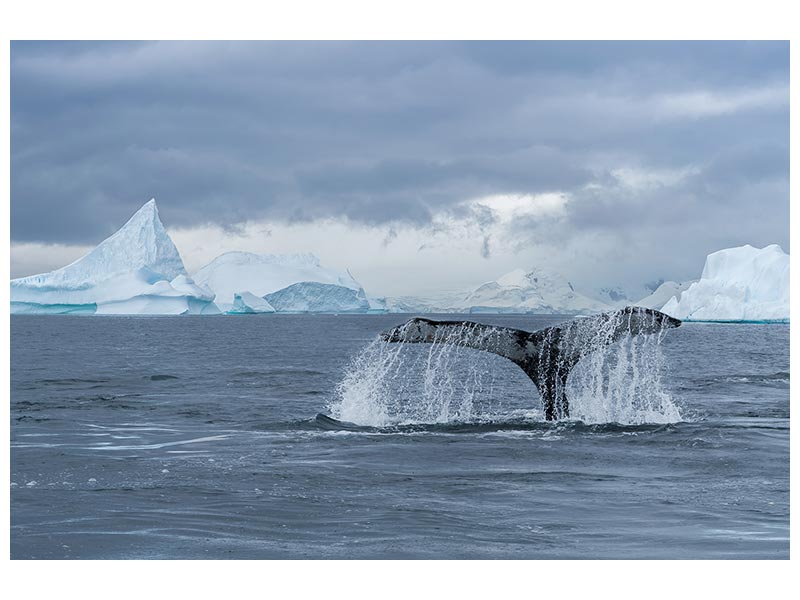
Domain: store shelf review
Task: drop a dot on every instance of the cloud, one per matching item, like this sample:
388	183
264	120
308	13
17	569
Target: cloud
705	103
486	251
509	207
29	258
573	153
637	178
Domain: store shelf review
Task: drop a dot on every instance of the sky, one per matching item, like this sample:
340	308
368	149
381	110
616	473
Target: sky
420	166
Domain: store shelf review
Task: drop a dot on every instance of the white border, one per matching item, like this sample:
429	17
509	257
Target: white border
409	19
412	19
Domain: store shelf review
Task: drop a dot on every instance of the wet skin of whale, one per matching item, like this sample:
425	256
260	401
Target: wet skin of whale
546	356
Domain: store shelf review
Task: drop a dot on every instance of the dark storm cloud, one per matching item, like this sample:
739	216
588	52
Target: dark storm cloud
396	132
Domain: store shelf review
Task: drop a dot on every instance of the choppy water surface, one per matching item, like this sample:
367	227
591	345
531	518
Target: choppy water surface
195	438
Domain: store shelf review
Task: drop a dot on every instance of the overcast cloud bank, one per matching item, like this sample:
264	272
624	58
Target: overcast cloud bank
420	166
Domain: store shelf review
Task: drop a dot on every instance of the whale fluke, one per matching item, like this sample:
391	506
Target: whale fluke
546	356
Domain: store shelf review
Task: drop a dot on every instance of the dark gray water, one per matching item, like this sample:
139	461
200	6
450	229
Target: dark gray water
195	438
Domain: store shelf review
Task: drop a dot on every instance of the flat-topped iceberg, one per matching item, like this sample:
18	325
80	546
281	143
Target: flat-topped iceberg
442	302
314	297
738	284
138	270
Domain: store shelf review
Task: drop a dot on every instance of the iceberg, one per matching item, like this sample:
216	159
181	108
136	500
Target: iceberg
442	302
245	303
138	270
663	293
315	297
296	276
737	284
537	291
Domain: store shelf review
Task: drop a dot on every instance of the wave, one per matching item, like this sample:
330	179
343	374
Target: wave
69	381
277	372
327	423
778	378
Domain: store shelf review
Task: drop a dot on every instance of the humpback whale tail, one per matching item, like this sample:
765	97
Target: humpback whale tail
546	356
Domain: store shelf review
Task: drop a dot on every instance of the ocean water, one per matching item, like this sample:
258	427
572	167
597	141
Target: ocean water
197	437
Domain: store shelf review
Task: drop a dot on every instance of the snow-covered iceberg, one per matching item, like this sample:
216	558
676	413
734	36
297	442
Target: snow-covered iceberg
738	284
663	293
536	291
539	290
138	270
287	282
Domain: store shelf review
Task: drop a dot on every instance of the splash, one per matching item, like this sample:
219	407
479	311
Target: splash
402	384
623	384
445	382
397	384
615	365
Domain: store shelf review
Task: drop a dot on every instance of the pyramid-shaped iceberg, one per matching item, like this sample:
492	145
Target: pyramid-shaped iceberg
138	270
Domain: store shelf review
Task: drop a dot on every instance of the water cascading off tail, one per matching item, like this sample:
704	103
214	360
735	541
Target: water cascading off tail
614	362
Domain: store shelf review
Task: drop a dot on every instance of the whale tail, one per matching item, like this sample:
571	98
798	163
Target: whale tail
547	356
